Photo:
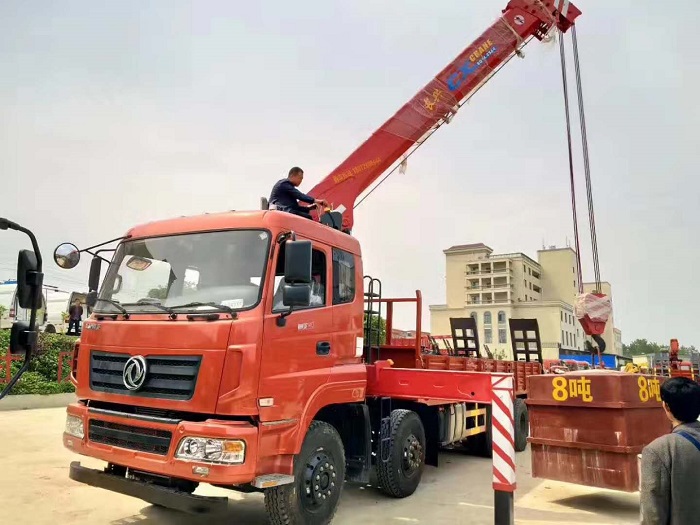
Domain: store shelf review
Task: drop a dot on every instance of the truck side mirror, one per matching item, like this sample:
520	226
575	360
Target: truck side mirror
296	290
298	295
29	282
21	338
297	262
66	255
91	299
95	269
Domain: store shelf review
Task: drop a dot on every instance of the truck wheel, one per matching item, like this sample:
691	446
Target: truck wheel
522	424
399	477
319	474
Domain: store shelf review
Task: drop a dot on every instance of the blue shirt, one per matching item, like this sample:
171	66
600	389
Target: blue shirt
284	195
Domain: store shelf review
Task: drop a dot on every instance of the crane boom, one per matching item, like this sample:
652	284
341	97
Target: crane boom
437	102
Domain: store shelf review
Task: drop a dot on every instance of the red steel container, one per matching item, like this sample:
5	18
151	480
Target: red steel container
588	427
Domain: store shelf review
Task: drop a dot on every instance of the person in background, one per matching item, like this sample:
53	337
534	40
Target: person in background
286	197
75	315
670	467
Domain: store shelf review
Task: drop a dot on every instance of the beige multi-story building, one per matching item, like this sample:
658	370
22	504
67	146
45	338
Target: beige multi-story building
493	288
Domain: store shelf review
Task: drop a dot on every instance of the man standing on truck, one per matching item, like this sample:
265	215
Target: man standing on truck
670	471
285	196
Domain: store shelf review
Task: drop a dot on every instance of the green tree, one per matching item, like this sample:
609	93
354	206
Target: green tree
642	347
378	322
158	293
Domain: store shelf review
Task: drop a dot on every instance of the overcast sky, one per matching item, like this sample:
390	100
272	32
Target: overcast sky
122	112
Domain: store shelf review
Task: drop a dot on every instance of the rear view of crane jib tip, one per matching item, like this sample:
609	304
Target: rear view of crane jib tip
439	99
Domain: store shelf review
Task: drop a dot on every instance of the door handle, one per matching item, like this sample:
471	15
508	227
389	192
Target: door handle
323	348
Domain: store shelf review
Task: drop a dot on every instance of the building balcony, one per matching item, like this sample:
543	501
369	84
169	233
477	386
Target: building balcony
500	271
487	301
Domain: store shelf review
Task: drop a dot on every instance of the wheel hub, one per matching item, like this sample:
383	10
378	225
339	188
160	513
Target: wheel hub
320	480
412	454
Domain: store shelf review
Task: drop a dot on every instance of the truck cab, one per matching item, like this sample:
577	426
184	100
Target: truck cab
213	343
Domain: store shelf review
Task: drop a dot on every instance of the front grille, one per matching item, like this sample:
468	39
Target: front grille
133	438
167	377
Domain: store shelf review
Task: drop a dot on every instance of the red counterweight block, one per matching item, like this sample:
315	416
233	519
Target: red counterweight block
593	311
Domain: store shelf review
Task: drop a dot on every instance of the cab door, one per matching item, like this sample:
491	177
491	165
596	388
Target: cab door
297	357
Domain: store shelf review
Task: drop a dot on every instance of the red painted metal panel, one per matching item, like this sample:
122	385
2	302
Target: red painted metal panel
446	385
588	427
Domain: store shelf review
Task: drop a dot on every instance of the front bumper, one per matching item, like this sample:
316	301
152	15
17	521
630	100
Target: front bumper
162	461
154	494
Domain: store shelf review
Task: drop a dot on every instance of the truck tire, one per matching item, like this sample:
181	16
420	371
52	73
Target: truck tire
319	475
400	475
521	419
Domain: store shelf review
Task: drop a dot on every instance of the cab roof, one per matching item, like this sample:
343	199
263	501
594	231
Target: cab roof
275	221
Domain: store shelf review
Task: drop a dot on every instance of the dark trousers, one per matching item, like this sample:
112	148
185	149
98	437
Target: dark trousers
301	212
74	324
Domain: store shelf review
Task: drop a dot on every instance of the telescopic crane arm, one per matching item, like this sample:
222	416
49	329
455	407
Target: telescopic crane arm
438	101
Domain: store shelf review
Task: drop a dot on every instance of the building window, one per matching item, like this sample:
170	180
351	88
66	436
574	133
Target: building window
501	317
562	337
502	337
487	318
343	277
488	336
561	315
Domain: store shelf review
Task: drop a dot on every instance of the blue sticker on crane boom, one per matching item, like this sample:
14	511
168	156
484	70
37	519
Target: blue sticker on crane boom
477	59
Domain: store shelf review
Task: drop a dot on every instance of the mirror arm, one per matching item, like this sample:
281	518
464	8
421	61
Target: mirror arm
97	253
103	243
282	319
6	224
22	370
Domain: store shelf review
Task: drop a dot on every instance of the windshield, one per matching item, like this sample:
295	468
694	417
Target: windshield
197	271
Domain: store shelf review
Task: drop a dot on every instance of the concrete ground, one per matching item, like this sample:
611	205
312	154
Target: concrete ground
35	490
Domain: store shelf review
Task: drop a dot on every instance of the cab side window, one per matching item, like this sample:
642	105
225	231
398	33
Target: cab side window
343	277
318	280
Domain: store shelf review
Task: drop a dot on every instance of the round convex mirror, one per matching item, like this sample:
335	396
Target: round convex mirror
67	256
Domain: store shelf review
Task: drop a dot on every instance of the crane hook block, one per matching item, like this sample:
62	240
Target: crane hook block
593	311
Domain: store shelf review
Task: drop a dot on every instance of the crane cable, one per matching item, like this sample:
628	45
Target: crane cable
586	164
571	161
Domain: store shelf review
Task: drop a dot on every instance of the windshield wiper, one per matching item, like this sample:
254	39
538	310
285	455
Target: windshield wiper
147	302
216	306
117	305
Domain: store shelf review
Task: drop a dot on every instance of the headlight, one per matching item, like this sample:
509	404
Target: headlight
208	450
75	427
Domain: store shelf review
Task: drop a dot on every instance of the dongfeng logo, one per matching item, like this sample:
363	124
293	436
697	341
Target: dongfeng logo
134	374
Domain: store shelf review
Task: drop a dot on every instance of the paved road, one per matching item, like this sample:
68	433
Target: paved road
35	490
